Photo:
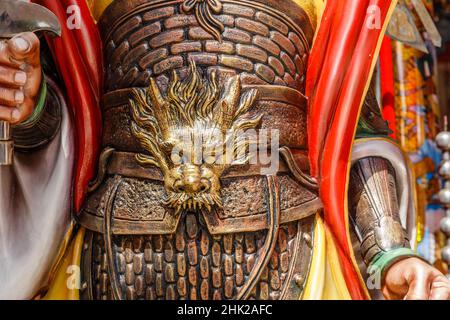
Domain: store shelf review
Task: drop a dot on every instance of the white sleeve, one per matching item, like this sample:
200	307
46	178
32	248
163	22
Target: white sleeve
35	204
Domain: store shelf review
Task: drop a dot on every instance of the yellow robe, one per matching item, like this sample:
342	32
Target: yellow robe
325	280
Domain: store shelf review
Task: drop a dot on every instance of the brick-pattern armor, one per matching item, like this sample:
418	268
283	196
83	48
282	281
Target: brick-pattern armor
256	43
258	244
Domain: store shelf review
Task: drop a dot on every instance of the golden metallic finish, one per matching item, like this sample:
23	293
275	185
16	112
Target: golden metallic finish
98	6
170	128
204	10
313	9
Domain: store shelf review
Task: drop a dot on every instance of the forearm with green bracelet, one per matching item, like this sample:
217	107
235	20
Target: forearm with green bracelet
40	104
384	260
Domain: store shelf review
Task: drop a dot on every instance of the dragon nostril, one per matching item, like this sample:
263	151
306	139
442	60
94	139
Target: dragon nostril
178	186
206	185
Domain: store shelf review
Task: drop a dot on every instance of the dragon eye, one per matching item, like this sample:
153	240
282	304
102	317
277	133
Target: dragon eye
179	158
176	159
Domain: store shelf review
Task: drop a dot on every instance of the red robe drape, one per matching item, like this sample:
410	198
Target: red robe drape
341	65
78	56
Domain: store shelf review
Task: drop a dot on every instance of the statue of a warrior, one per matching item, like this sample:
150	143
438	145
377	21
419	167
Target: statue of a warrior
204	149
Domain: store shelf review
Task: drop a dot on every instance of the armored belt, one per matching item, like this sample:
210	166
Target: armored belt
178	69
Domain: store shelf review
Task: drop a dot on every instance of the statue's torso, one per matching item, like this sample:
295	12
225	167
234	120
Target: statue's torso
154	251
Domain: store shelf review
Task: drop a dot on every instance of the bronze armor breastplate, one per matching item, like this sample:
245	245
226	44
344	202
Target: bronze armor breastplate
247	231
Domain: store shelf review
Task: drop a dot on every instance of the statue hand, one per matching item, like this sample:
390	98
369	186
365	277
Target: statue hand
413	279
20	77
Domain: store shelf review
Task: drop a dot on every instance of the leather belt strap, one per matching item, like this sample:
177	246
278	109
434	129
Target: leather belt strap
265	93
271	239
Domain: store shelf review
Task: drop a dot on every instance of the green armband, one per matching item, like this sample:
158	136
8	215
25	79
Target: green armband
35	116
384	260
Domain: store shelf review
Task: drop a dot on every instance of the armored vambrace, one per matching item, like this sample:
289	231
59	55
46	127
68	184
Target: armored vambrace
43	124
374	208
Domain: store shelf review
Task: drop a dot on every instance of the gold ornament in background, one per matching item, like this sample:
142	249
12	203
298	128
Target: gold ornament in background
402	28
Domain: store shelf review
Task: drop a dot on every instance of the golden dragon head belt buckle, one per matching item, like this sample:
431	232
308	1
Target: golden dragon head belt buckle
188	133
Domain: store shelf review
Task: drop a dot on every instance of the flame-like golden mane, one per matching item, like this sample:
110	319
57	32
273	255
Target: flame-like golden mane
192	106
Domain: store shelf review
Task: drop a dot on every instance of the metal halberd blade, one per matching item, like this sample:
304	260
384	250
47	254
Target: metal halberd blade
19	16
